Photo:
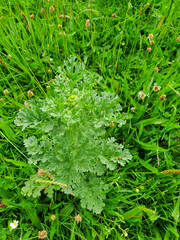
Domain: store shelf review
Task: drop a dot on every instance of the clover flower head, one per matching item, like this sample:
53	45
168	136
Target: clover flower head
162	97
41	172
30	94
150	36
6	92
141	95
114	15
53	217
42	234
156	69
14	224
156	88
133	109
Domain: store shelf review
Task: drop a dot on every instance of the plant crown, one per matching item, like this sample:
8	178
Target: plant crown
69	142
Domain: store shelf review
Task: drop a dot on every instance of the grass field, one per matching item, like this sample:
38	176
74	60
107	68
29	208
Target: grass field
134	48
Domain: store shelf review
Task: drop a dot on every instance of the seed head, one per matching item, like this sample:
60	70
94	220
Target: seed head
60	33
87	23
6	92
61	16
151	36
149	49
9	56
32	16
45	14
119	158
156	69
1	17
178	39
41	172
162	97
133	109
50	81
2	99
53	217
42	234
114	15
89	5
156	88
147	5
22	14
30	94
59	26
47	86
151	42
51	9
111	124
49	71
78	218
141	95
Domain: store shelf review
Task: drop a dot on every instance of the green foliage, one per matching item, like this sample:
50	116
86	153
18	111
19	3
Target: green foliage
115	48
71	142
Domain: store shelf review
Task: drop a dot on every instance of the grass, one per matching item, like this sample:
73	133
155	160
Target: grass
142	201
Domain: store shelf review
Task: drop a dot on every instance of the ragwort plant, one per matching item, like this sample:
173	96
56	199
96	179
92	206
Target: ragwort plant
70	146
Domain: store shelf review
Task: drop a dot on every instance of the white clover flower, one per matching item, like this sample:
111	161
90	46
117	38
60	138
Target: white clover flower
151	36
126	234
14	224
141	95
156	88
